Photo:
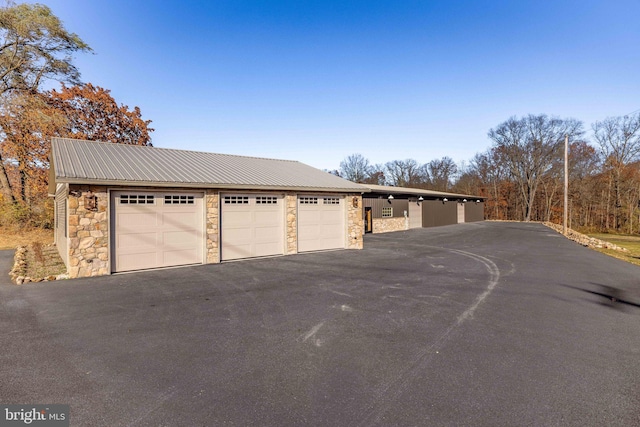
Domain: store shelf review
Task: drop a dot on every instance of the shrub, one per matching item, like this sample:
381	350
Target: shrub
20	216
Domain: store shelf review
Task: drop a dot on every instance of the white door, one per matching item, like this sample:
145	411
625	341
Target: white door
415	214
156	229
252	225
460	213
321	223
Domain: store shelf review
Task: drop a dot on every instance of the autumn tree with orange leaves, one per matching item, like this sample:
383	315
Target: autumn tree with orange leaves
36	48
92	113
84	112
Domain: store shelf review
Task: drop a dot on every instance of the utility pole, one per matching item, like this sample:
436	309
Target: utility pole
566	183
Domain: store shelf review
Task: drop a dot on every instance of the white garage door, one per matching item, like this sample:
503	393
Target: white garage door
321	223
153	229
252	226
460	213
415	214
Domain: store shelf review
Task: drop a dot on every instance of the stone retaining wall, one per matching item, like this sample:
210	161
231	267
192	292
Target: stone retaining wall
585	240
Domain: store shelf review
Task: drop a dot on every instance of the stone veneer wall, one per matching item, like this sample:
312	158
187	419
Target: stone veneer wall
212	198
385	225
88	233
355	222
291	206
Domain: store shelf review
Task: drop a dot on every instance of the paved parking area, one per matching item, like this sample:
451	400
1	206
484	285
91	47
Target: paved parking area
475	324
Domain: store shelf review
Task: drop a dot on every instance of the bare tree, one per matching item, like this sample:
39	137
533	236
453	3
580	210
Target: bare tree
584	164
405	173
528	147
441	173
376	176
355	168
619	141
488	176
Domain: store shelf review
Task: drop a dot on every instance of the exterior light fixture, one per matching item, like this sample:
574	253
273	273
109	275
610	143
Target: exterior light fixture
420	198
478	201
390	197
445	200
464	200
90	201
354	201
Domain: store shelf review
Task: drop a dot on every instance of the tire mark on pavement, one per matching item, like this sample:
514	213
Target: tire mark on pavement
385	397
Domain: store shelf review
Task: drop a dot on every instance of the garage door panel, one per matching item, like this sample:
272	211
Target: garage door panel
158	229
267	249
137	240
180	239
236	217
269	218
142	260
331	218
178	257
237	251
331	231
238	235
309	231
267	233
321	223
180	220
252	226
138	219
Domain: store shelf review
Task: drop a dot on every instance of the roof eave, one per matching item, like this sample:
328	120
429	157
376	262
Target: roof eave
244	187
418	192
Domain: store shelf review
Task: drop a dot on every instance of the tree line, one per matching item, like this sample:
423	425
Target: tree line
438	174
35	50
521	174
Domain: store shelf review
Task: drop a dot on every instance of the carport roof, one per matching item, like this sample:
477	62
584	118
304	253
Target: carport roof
416	192
102	163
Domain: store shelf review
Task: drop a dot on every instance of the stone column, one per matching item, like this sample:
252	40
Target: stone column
88	233
291	205
213	218
355	222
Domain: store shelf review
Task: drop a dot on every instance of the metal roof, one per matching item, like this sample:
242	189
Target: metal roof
103	163
416	192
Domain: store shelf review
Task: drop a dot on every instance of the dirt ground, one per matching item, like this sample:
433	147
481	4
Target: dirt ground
10	239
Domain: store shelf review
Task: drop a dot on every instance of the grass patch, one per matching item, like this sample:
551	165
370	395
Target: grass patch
11	239
631	243
43	261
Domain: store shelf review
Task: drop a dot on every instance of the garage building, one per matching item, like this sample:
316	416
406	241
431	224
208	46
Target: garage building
389	208
123	208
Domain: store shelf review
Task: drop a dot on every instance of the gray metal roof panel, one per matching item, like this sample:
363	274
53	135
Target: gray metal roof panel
90	161
415	191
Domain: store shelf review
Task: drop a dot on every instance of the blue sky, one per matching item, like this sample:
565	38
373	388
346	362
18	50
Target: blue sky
316	81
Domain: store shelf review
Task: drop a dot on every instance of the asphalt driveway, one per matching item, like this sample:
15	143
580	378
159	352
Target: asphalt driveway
475	324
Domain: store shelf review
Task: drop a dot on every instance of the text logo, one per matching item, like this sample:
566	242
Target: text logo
34	415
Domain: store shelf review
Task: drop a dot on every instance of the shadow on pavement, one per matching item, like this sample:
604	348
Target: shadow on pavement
615	297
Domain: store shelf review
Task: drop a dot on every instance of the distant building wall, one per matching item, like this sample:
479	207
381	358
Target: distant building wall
399	206
436	213
474	211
